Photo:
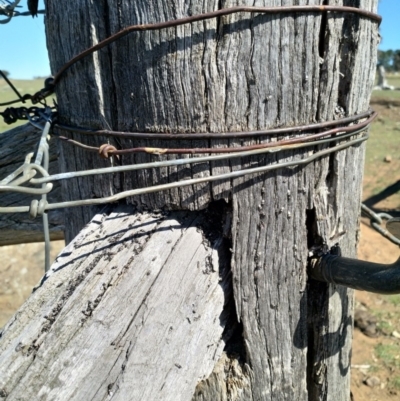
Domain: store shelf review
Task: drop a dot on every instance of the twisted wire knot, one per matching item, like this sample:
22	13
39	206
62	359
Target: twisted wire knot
106	150
37	208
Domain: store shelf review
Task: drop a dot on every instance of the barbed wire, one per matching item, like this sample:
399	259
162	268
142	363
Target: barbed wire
179	162
8	9
25	174
23	178
214	135
107	150
50	83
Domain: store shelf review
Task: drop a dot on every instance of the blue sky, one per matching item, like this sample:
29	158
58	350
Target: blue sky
23	44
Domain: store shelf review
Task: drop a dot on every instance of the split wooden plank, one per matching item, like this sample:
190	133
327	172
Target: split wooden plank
134	308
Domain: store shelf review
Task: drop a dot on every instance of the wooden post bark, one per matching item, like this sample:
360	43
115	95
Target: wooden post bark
240	72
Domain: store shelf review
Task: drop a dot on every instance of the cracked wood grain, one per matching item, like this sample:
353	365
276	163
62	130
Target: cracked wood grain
291	338
103	327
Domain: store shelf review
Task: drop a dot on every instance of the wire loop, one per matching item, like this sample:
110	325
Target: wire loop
106	150
27	172
14	181
37	208
33	209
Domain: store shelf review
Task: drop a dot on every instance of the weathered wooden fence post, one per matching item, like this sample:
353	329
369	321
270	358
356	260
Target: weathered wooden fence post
275	336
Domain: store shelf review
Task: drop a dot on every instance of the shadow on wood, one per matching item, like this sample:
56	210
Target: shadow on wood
105	317
140	312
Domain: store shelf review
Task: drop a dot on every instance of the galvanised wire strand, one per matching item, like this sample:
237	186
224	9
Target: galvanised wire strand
24	173
180	162
42	207
107	150
27	172
376	220
231	175
43	157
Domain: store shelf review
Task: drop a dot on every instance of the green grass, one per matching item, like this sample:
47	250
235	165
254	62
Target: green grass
384	141
7	94
384	136
389	354
394	299
384	321
393	80
395	382
387	95
385	327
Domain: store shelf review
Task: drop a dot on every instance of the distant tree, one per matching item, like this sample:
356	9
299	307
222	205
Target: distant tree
385	58
390	59
6	73
396	60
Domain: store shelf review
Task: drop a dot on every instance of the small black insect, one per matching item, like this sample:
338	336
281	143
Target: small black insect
33	7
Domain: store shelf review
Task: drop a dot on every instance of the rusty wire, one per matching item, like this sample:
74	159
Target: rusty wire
212	135
210	15
180	162
26	173
51	83
22	179
107	150
29	170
